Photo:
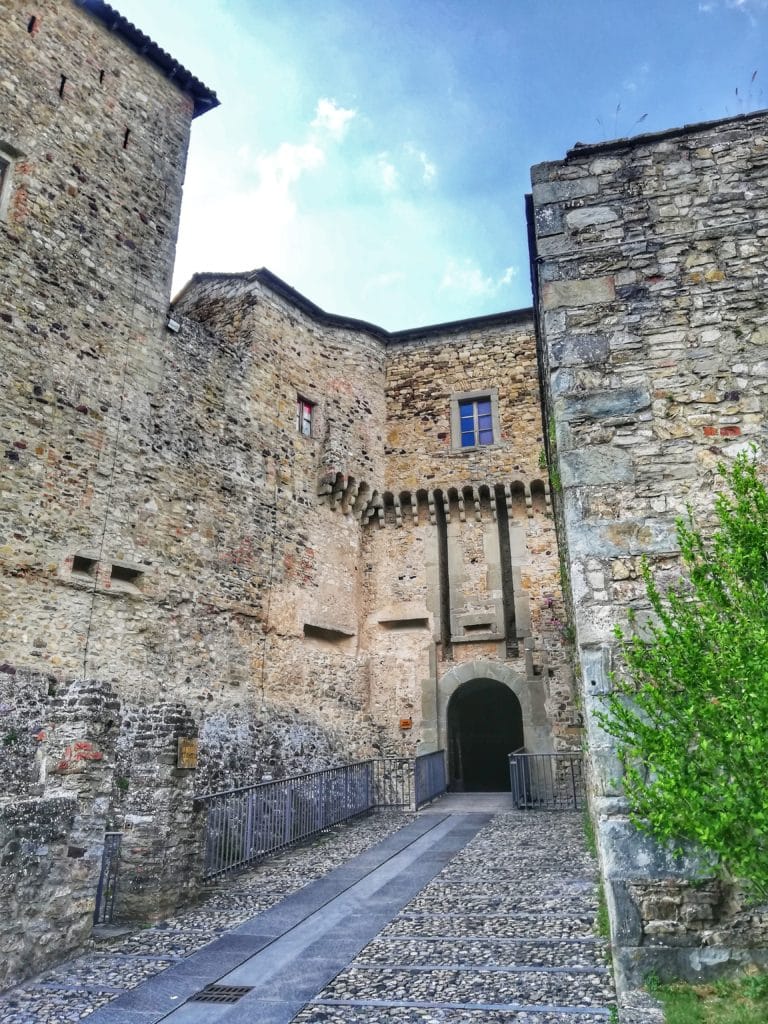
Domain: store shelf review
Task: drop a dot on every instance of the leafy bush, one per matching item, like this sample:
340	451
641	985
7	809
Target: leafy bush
691	714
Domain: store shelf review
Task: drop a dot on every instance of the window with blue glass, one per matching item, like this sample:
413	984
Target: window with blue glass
476	421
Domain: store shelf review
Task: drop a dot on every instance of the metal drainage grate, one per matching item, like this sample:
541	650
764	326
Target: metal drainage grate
220	993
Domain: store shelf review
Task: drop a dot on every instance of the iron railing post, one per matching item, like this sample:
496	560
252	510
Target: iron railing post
541	781
248	823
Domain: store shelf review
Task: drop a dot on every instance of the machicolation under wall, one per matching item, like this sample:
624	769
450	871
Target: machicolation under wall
294	537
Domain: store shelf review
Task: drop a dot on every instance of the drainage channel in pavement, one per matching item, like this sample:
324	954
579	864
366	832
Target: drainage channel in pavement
470	914
503	934
267	969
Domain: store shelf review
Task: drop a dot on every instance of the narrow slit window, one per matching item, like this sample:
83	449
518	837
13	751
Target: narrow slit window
125	575
62	86
32	24
82	565
304	415
8	157
397	624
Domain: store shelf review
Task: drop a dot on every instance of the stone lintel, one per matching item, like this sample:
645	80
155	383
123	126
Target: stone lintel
596	466
586	292
627	853
605	402
605	537
558	191
579	350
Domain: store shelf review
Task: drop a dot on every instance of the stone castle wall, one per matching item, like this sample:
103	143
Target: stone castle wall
58	744
87	238
498	600
651	276
138	507
178	560
166	529
301	501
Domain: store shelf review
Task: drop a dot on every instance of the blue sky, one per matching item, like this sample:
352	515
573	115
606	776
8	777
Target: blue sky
375	153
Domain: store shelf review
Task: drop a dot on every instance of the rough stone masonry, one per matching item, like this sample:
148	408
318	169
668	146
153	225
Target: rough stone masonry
253	524
300	539
650	278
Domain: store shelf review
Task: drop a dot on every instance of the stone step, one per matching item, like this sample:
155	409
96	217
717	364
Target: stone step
489	968
171	942
523	926
449	950
106	970
553	879
526	987
506	903
381	1011
535	864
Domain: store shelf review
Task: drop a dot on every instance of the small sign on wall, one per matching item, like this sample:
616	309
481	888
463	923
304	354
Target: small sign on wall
186	752
406	723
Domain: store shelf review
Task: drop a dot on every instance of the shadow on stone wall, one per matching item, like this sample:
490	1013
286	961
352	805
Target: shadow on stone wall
77	762
58	743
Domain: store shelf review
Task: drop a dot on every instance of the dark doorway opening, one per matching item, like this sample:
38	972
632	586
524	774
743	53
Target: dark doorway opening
485	724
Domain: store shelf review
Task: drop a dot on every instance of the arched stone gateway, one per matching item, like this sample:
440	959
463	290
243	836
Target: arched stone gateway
485	723
484	705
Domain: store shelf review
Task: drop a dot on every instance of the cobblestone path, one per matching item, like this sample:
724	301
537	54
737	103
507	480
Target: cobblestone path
73	990
493	923
504	934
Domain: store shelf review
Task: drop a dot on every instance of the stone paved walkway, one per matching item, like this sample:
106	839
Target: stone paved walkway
457	918
73	990
504	934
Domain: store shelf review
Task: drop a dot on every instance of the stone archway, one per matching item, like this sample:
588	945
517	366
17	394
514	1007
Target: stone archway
536	730
485	724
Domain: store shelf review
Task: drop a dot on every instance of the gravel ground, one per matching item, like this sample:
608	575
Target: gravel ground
505	933
434	1015
503	952
74	989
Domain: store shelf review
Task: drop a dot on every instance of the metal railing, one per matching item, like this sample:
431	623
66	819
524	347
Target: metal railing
429	777
243	825
393	782
247	824
547	782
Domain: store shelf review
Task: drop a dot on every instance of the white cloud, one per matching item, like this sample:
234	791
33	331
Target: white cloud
259	195
430	169
404	169
333	119
638	77
280	169
749	7
387	174
427	167
466	277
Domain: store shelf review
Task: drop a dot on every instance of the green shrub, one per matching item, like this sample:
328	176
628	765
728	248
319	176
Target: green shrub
691	712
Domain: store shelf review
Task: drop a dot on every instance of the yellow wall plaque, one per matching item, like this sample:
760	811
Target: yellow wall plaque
186	752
